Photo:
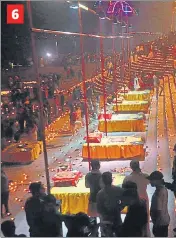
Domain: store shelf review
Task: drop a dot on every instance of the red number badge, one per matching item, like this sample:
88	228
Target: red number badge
15	13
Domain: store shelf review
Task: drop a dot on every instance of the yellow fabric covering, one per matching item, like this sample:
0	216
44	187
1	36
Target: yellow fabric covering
122	123
131	106
114	148
75	199
137	95
13	154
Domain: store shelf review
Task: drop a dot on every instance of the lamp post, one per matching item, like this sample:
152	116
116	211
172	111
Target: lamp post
35	65
114	57
123	53
113	50
84	80
129	49
101	17
102	74
101	54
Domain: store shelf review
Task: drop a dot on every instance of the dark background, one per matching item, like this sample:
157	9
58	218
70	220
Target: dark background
56	15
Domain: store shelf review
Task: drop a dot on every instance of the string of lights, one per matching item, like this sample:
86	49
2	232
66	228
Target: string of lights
125	35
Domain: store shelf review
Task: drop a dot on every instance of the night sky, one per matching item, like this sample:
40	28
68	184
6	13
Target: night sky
56	15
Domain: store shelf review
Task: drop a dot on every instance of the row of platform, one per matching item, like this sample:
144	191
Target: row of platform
127	116
125	140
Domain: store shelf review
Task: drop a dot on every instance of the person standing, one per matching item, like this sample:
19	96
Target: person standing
56	101
155	81
136	83
73	118
32	132
38	125
89	98
83	112
62	101
10	82
4	193
157	85
109	205
140	179
92	181
3	139
174	174
174	150
172	186
9	131
45	114
21	118
50	220
34	207
16	131
136	218
159	205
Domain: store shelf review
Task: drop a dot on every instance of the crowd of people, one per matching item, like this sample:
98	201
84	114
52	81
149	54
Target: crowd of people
25	99
27	116
107	200
26	108
25	103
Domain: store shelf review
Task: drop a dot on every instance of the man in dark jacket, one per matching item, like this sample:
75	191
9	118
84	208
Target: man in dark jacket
109	203
50	220
172	186
92	181
34	207
136	219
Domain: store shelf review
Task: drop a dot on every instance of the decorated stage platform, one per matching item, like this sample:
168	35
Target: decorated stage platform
75	199
23	152
131	106
116	148
137	95
123	123
26	151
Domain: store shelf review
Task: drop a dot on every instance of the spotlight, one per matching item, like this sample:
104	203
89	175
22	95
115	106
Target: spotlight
48	54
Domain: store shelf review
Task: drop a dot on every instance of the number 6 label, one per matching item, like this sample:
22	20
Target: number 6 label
15	14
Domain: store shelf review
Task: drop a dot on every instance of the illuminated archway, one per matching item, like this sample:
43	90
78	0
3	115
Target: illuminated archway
117	8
